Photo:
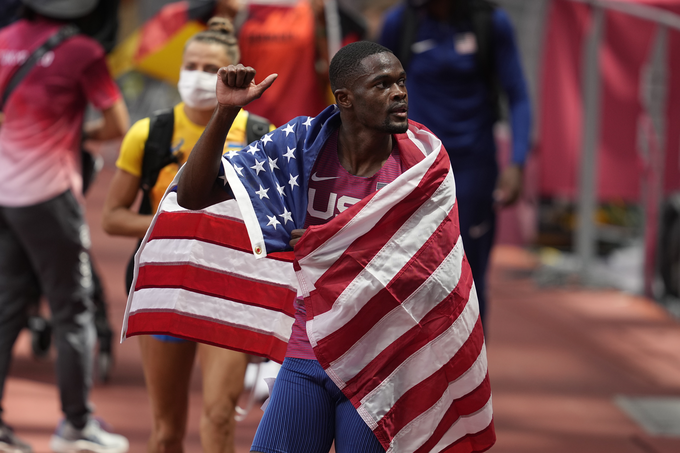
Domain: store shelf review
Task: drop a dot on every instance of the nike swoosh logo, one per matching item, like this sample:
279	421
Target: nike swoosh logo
323	178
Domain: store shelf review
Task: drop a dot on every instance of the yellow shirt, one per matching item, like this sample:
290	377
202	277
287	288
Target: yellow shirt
184	137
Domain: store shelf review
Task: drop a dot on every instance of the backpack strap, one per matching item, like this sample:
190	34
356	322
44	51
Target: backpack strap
53	41
482	12
256	127
410	21
482	26
157	153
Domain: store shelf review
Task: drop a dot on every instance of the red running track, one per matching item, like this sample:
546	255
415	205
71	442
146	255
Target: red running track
557	360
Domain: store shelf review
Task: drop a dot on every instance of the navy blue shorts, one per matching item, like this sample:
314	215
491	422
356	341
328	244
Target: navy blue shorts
307	412
169	339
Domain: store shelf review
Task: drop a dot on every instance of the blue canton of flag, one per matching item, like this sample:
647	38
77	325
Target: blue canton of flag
269	178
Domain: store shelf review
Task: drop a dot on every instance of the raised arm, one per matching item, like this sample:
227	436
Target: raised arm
198	186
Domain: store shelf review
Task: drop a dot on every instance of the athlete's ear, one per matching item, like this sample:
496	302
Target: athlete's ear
343	97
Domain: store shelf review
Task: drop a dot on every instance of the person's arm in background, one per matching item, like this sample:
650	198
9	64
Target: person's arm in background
103	93
511	78
198	186
117	217
114	123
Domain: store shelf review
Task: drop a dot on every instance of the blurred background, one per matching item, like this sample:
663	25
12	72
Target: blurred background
585	279
600	199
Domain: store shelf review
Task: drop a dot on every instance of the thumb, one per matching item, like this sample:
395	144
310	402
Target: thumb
265	84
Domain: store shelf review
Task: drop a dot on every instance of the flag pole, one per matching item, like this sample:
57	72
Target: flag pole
586	234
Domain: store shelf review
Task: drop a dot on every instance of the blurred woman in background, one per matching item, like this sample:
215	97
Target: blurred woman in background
168	361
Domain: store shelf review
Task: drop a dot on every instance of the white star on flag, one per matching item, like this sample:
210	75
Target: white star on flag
308	122
293	181
273	222
272	163
266	139
233	152
290	154
224	180
238	169
262	192
288	129
258	167
252	149
287	216
280	189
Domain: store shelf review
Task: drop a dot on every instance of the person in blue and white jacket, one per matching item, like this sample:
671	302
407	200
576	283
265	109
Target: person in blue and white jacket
459	55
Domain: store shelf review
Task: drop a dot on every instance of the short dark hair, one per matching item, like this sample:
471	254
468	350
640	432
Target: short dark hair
346	64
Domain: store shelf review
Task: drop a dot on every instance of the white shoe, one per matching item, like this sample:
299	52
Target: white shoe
91	439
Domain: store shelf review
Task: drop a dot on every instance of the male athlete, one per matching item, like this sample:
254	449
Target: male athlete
403	381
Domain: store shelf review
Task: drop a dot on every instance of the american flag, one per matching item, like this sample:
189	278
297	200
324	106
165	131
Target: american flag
392	309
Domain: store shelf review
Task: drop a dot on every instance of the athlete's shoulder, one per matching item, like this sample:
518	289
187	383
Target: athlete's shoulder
139	131
393	15
392	27
85	46
11	29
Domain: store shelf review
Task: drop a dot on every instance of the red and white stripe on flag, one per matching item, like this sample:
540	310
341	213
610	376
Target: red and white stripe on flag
392	310
197	278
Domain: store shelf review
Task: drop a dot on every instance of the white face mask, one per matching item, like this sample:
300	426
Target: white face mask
198	89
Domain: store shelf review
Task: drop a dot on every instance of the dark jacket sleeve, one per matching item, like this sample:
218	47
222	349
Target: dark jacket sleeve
511	79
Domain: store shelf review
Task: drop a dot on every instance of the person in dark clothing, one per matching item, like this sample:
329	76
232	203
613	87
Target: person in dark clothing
459	55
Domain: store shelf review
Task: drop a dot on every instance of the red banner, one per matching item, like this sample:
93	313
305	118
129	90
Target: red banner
625	51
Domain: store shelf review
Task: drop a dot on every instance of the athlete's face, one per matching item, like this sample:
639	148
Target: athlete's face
379	94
